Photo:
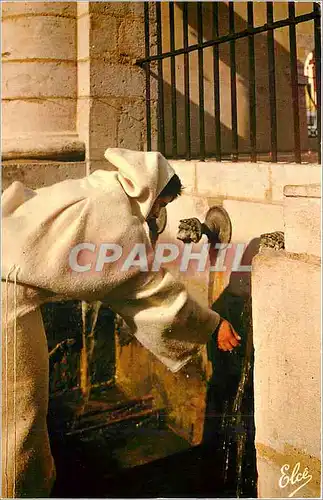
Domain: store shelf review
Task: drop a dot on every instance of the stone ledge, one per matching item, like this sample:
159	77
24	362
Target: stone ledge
302	219
251	219
39	80
268	254
291	174
259	182
286	307
303	191
59	42
59	9
40	174
44	147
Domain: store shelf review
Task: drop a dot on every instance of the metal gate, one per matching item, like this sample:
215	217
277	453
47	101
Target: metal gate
223	32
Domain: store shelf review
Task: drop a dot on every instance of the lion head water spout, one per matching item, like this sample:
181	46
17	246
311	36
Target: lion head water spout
217	227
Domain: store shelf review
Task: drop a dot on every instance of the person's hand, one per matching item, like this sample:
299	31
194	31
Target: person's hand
227	337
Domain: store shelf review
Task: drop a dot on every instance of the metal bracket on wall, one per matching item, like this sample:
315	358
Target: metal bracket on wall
217	227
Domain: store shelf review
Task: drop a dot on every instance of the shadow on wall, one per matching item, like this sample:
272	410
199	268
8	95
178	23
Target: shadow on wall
209	121
283	88
229	417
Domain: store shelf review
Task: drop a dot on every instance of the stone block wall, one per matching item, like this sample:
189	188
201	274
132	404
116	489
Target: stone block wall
111	88
302	218
39	174
286	297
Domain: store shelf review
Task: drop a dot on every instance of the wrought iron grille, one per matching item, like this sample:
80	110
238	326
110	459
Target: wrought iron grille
184	134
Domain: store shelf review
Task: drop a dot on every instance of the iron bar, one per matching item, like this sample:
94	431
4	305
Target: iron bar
160	119
272	83
216	79
252	85
294	81
282	23
173	78
186	83
215	41
233	86
201	78
147	75
317	58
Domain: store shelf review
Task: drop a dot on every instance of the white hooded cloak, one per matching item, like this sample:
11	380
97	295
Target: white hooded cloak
39	230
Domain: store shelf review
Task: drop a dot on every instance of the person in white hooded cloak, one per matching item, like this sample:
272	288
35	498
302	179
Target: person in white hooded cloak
39	230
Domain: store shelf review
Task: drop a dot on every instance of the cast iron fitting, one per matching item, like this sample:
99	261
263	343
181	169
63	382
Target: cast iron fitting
217	227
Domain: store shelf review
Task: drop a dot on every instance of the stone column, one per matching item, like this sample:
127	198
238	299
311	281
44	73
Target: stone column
286	297
39	81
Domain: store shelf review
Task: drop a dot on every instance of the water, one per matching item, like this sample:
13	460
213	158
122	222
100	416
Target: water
90	314
229	424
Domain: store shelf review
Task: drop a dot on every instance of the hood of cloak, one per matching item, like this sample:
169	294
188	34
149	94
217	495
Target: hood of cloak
142	175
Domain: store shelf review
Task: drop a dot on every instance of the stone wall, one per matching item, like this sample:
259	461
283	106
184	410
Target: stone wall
111	88
305	44
39	75
253	195
41	173
71	88
287	337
